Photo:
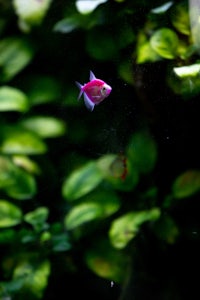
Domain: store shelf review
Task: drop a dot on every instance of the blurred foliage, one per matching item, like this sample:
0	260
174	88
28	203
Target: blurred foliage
113	194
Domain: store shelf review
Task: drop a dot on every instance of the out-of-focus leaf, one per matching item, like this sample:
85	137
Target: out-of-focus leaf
101	45
45	126
16	183
163	8
142	152
61	242
125	37
67	25
186	86
165	43
42	89
34	276
10	214
82	213
85	6
107	262
126	227
188	71
77	21
7	236
125	72
15	54
18	140
37	218
31	14
81	181
166	229
186	184
194	11
23	186
96	205
144	51
180	18
26	163
12	99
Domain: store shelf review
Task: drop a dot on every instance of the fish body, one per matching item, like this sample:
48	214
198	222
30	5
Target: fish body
94	91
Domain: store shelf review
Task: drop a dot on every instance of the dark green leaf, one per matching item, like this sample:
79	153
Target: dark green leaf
186	184
142	152
107	262
34	276
37	218
16	182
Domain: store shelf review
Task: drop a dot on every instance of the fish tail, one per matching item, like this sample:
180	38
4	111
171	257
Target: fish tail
80	86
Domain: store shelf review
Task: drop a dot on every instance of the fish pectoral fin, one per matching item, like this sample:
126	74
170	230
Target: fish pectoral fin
92	76
88	103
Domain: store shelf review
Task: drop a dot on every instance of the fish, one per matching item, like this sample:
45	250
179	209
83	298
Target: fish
94	91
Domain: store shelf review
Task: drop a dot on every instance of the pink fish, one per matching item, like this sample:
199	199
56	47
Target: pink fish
94	91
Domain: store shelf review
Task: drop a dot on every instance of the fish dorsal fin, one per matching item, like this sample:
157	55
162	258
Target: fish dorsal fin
92	76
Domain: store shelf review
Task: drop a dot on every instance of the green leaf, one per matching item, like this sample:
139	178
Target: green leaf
42	89
31	14
34	278
12	99
99	204
180	18
16	182
81	181
165	43
44	126
186	184
81	214
142	152
126	227
61	242
10	214
144	51
26	163
23	186
37	218
15	55
17	140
